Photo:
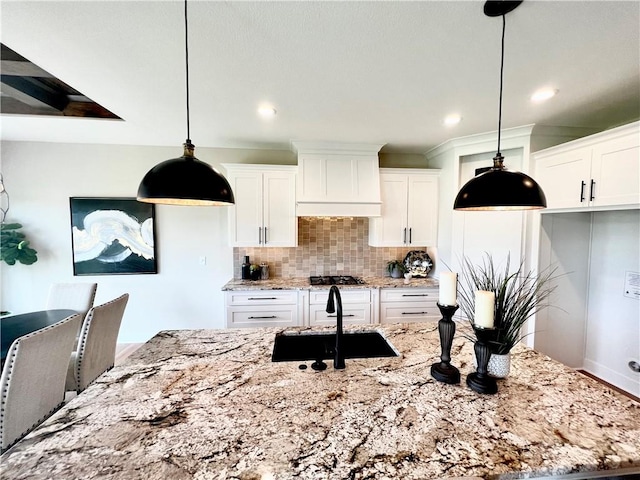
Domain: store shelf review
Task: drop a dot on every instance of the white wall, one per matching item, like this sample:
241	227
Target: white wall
40	178
613	320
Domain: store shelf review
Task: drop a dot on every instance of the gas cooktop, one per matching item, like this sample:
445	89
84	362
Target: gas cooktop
335	280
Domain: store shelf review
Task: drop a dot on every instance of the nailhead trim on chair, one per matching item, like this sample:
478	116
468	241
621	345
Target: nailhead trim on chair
4	392
82	341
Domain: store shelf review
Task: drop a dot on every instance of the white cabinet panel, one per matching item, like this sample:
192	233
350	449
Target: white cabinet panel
601	170
261	316
400	305
616	166
356	307
352	314
409	295
409	209
348	296
262	308
565	178
253	297
265	211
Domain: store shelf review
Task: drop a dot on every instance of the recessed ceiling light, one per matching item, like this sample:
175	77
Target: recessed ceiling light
266	111
543	94
452	120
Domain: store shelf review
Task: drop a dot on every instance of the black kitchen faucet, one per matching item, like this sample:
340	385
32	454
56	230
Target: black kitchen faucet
334	297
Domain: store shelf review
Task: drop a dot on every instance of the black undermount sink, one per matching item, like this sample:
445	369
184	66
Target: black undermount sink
290	346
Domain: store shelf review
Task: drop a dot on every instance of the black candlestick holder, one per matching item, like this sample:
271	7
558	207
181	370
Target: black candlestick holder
444	371
480	381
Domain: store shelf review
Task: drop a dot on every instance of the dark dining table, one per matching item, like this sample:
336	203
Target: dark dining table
14	326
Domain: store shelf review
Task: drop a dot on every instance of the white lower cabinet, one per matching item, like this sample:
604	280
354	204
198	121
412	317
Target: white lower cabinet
293	308
263	308
400	305
356	307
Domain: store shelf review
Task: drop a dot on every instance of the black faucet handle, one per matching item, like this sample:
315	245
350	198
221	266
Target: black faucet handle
319	365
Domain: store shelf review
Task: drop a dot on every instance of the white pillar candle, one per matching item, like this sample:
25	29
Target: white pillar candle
447	291
484	307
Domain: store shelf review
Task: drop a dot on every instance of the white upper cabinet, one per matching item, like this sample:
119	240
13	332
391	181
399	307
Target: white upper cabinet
265	211
409	209
601	170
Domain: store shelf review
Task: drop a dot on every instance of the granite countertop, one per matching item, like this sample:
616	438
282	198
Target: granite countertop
302	283
209	404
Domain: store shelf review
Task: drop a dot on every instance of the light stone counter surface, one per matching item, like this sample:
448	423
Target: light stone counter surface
209	404
302	283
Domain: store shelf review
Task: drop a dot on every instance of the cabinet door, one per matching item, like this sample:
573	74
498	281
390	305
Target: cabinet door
616	172
390	229
565	178
352	314
280	225
262	316
245	217
422	211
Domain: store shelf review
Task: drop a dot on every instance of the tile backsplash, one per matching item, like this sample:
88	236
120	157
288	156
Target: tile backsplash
326	246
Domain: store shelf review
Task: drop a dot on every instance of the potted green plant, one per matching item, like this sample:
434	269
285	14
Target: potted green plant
14	247
396	268
518	296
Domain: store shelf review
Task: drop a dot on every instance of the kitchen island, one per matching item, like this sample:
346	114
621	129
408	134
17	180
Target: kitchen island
210	404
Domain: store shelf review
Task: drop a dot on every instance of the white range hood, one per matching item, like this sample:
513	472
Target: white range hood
337	179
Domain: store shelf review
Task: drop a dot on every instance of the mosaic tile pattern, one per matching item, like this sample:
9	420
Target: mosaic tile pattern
326	246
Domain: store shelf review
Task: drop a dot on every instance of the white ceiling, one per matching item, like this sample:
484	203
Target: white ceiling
381	72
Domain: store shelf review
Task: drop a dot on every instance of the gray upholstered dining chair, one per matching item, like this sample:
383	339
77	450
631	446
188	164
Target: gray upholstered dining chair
33	378
96	350
72	296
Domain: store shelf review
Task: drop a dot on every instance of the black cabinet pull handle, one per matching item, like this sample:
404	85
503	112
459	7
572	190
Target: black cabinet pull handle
415	294
593	184
404	236
259	234
414	313
409	236
265	235
582	191
334	316
255	318
262	298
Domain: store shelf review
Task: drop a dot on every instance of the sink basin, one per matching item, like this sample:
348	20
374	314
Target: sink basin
290	347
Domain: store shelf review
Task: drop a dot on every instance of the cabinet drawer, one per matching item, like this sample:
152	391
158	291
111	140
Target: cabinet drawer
348	296
262	316
413	312
262	297
409	295
352	314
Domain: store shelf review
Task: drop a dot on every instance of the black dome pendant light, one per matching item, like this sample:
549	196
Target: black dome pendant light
185	180
497	188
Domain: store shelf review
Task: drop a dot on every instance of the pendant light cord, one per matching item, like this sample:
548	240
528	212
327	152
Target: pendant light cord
504	23
186	55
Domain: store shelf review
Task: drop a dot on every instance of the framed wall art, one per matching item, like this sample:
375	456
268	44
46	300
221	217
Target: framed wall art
112	236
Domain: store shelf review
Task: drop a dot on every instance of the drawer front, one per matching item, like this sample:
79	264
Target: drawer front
409	295
262	316
410	312
353	314
348	296
262	297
